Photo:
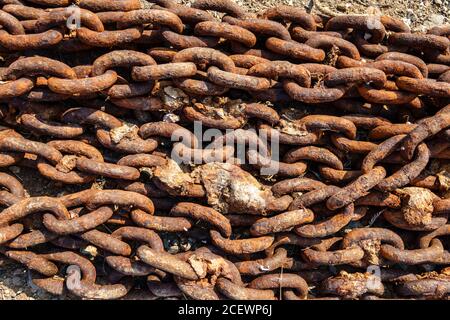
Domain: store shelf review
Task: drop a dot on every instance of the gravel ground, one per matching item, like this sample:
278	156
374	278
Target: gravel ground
419	15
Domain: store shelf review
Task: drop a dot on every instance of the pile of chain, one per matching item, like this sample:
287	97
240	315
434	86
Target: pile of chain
102	96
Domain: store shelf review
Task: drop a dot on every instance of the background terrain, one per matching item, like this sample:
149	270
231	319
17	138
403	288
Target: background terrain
419	15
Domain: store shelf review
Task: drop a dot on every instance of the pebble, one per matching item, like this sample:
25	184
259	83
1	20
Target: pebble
14	169
16	281
341	7
174	248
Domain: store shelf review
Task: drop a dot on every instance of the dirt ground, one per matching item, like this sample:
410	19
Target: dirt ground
418	14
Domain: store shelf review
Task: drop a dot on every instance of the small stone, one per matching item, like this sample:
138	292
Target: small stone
437	19
90	251
174	98
22	296
67	163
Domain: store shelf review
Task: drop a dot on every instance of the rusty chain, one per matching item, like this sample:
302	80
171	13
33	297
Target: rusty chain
106	90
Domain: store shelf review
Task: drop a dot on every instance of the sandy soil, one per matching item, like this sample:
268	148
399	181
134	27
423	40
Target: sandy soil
419	14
